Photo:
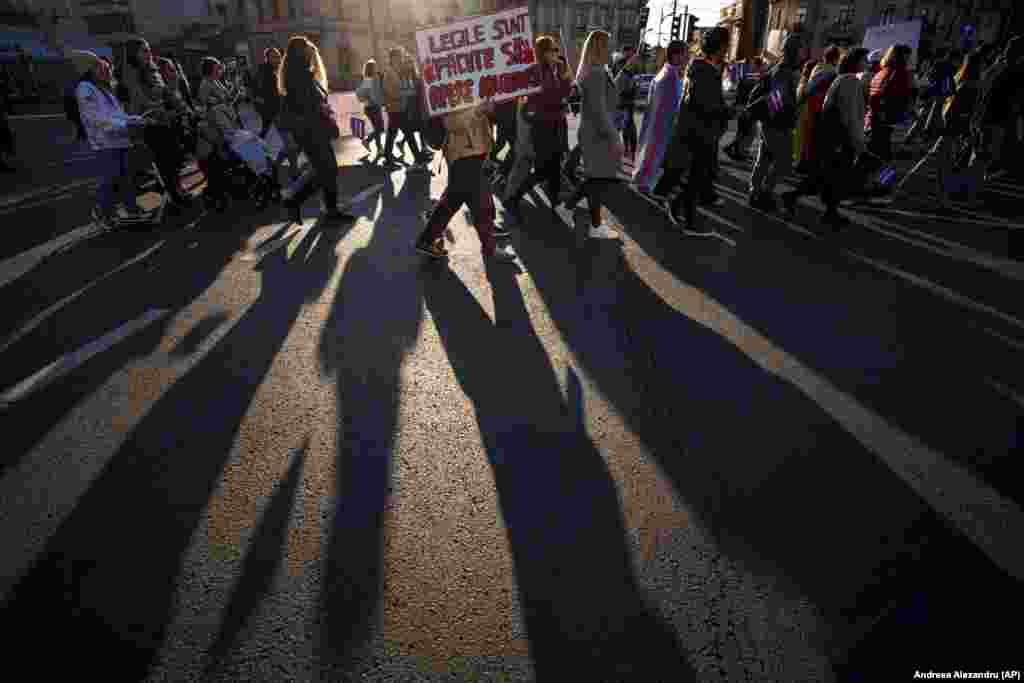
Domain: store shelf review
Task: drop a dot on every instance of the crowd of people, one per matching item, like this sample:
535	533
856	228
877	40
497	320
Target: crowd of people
830	120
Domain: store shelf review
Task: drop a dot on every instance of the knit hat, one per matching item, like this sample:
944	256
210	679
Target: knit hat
875	57
84	61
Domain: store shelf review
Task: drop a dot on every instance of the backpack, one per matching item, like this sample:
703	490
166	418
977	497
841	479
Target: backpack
768	105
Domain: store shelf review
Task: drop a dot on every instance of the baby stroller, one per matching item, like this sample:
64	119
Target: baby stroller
237	162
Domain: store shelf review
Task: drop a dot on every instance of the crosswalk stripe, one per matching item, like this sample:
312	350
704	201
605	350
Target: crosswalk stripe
38	319
916	280
72	360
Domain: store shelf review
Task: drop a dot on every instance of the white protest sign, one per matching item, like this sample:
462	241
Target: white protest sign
901	33
483	57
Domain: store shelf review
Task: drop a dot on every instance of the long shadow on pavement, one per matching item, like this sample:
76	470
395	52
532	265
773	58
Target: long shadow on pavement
895	350
373	322
776	482
107	578
586	617
263	559
145	285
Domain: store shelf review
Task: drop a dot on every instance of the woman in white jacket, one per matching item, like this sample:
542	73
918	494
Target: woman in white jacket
109	132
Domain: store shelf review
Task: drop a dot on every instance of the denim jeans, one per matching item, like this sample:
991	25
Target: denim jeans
117	181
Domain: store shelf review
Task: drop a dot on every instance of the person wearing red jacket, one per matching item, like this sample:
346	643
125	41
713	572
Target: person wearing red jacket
547	122
889	100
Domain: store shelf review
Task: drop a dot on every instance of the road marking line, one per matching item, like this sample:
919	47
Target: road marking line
32	117
916	280
988	519
934	288
54	308
998	222
9	201
1011	270
1005	391
34	204
70	361
704	212
16	266
1012	343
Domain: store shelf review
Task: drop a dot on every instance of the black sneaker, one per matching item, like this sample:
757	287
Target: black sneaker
789	203
434	250
763	201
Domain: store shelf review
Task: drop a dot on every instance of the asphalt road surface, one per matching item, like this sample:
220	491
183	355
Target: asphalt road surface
241	449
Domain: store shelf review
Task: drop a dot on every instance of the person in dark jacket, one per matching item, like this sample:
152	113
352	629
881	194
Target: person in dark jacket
303	86
775	153
546	118
628	92
1001	106
268	98
940	77
702	117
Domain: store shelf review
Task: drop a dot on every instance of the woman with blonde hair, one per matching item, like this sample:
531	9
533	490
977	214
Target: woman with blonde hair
303	86
598	136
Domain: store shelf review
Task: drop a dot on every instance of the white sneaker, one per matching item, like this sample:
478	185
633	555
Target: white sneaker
504	253
603	232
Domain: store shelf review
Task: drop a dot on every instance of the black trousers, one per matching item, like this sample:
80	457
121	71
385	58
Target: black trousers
547	143
466	186
697	165
397	121
320	153
167	156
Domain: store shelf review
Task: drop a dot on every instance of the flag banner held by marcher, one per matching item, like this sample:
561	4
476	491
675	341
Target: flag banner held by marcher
488	57
358	126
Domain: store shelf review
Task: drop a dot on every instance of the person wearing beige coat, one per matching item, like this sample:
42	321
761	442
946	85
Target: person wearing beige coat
467	143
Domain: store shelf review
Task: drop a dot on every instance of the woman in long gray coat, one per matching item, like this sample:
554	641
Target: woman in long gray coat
598	136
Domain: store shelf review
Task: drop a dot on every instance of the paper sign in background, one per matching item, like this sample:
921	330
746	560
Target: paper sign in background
477	58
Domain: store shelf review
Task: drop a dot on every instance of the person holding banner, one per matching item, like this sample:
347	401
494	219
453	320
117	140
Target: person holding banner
547	120
656	129
399	88
467	143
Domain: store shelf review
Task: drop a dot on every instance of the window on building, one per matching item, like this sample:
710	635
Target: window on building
345	67
844	19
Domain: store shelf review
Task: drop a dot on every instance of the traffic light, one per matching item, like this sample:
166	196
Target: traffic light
677	27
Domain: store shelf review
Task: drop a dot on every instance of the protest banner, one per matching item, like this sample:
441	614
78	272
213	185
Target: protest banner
477	58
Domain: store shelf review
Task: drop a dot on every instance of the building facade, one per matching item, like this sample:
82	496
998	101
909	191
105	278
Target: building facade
761	26
573	19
